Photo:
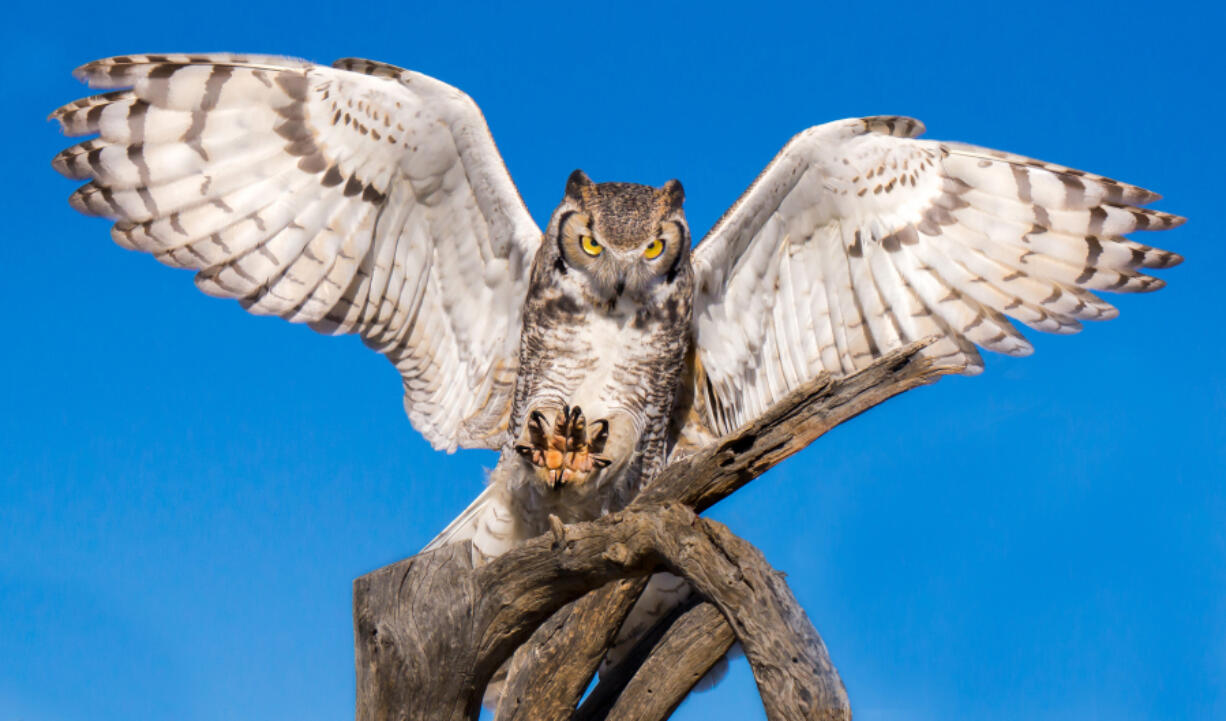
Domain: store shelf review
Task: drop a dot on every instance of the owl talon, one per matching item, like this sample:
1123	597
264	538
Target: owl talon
598	440
564	452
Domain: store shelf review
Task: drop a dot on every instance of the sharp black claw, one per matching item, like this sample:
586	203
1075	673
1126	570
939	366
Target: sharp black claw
568	432
560	422
598	439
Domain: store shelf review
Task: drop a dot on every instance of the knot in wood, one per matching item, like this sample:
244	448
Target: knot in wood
558	529
617	553
681	512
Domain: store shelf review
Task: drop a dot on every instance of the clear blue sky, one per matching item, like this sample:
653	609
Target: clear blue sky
187	492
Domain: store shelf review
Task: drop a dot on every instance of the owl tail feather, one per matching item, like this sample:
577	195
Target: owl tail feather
487	522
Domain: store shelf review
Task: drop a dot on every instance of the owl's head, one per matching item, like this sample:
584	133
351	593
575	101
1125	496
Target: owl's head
616	241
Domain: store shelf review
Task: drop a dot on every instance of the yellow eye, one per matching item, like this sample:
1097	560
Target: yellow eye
653	249
590	246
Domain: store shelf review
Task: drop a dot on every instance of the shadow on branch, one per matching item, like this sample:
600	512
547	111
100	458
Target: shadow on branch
430	631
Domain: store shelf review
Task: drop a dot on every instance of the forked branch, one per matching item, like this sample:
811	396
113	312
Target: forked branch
430	631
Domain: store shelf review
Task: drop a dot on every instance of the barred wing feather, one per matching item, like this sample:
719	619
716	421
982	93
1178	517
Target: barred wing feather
360	198
858	238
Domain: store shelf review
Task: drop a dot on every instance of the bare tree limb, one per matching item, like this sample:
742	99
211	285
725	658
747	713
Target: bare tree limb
430	631
717	471
614	679
665	671
795	676
557	644
789	426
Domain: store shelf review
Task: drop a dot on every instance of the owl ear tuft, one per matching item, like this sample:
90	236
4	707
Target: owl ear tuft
576	183
673	194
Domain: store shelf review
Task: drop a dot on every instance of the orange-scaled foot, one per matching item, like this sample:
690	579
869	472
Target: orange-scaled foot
564	451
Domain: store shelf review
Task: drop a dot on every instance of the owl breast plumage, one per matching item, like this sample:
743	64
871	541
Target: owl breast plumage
362	198
606	331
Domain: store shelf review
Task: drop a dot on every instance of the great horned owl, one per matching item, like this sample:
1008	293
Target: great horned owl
362	198
605	332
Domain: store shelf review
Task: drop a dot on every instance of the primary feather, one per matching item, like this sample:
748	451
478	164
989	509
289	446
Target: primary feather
859	238
358	199
367	199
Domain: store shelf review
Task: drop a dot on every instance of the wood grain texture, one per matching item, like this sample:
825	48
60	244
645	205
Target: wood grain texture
801	417
717	471
560	643
613	680
662	673
430	631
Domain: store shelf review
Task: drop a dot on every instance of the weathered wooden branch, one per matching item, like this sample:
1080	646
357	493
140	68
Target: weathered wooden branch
430	631
556	643
720	469
808	412
663	667
687	651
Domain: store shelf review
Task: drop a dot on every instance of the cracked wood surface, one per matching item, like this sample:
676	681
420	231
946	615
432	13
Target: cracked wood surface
662	669
557	643
720	469
430	631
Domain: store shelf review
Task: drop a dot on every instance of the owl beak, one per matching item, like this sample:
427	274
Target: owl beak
621	284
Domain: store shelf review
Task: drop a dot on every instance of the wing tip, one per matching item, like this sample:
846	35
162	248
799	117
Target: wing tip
123	70
110	69
83	72
62	164
899	126
1151	284
83	200
373	68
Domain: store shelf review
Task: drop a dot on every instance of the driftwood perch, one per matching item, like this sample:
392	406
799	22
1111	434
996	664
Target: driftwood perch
430	631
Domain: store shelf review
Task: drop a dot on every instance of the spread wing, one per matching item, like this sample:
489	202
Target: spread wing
857	239
360	198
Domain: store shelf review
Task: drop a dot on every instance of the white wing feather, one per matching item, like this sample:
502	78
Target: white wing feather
360	198
858	238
